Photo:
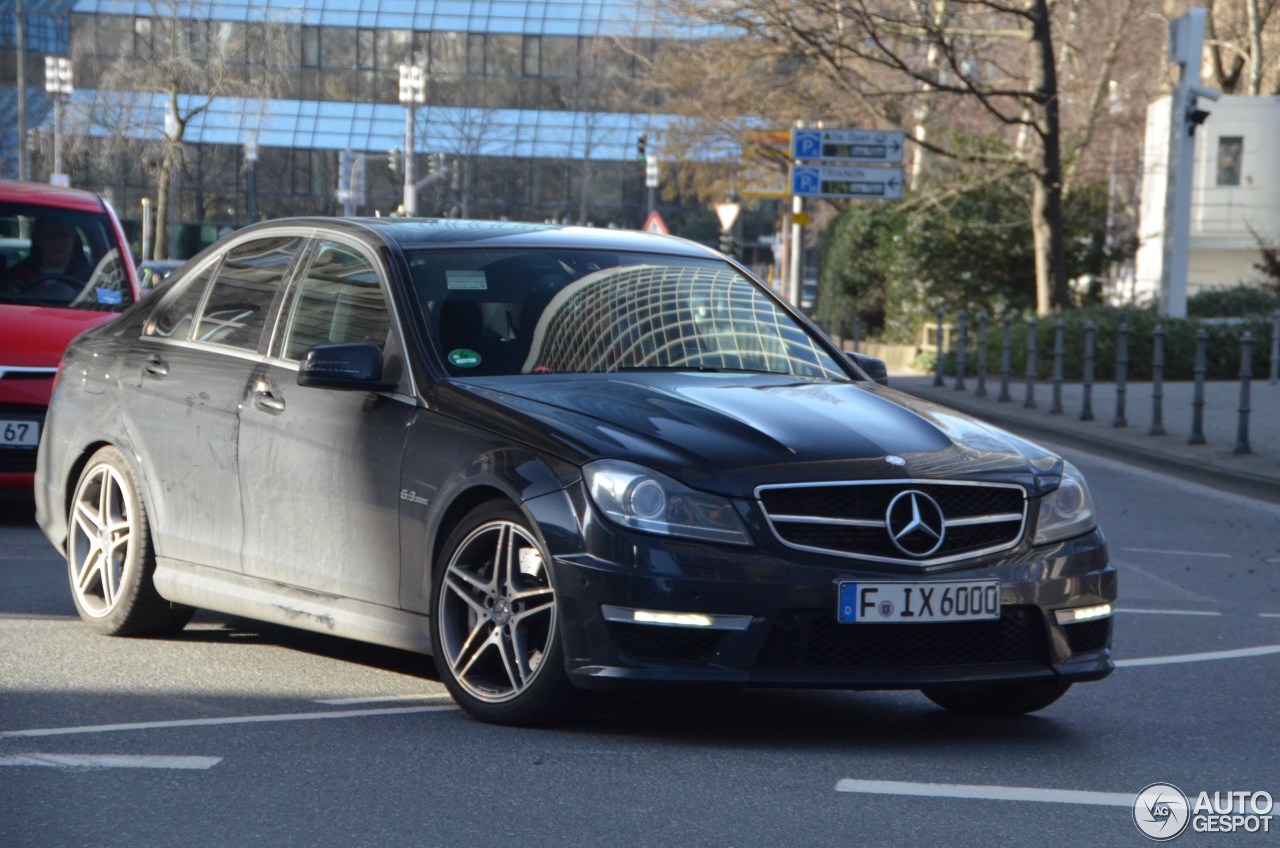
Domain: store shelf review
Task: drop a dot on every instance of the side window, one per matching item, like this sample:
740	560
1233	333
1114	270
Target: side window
175	318
236	311
339	301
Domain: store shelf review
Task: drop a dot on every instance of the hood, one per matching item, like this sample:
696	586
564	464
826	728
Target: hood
36	336
732	432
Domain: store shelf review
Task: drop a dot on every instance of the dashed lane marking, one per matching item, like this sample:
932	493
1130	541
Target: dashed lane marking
1208	656
1210	554
213	722
99	761
1167	612
440	700
986	793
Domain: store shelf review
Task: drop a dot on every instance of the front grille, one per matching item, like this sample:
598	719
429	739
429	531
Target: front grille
804	638
1085	637
850	519
679	644
17	460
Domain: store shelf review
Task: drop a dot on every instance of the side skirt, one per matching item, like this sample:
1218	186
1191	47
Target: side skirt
236	594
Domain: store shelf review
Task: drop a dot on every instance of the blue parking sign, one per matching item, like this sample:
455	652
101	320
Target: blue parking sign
806	144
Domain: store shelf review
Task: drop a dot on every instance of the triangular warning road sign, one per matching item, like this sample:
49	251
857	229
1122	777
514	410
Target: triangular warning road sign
655	224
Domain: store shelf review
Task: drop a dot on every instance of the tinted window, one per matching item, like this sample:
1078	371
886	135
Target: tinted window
61	257
339	300
177	314
236	311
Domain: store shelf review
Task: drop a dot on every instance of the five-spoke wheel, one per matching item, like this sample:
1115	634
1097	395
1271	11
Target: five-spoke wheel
495	637
109	559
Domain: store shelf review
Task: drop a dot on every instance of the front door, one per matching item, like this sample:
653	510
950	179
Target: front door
320	468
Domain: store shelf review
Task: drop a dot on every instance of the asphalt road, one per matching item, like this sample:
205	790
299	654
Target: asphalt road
238	734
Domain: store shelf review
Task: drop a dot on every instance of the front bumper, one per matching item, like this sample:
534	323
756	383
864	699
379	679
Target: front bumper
785	632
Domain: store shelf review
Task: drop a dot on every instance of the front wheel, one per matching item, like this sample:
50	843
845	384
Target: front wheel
109	555
999	699
494	629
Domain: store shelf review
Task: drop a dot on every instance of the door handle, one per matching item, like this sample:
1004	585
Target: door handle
266	400
156	365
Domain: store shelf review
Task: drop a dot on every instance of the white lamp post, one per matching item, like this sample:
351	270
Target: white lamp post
413	91
57	81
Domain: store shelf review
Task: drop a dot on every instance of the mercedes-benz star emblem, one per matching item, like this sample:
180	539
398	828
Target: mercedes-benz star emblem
915	523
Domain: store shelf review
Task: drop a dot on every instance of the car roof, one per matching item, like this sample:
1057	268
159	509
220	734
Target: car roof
16	191
411	233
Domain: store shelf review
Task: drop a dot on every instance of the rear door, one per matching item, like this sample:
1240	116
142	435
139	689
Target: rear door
320	468
187	379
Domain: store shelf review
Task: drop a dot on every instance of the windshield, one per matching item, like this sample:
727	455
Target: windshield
60	257
494	312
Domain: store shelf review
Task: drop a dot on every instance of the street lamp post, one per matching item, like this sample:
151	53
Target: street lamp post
57	81
413	92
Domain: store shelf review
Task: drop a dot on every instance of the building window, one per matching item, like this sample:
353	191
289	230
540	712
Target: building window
1230	154
311	46
366	39
532	55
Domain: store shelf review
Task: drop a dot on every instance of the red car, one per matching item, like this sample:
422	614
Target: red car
65	266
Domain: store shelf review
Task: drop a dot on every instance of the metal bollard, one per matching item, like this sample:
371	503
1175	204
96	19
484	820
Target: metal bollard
1086	408
1030	402
1246	375
981	390
1197	402
857	333
1122	371
937	377
1157	384
962	348
1006	360
1059	356
1275	347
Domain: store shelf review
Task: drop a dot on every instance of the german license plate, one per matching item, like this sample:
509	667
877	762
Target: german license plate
19	434
919	603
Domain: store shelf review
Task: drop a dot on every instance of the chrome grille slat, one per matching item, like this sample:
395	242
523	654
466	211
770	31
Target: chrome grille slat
849	518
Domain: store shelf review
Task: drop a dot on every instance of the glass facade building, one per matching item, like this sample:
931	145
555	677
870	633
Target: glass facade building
534	110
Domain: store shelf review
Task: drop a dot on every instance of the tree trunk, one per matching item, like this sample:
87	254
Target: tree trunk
160	246
1046	203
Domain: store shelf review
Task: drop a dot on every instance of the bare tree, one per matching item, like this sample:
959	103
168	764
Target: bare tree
952	70
184	64
1242	51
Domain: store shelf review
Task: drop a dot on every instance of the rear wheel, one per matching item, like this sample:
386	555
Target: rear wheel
494	629
109	555
999	699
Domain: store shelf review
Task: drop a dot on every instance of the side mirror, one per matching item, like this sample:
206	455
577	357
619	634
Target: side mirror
872	367
351	367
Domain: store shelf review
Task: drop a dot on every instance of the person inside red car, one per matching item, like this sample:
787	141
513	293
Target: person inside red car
56	268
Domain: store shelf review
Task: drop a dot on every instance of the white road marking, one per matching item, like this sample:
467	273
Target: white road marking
441	699
1168	612
1269	614
1211	554
1209	656
111	761
213	722
986	793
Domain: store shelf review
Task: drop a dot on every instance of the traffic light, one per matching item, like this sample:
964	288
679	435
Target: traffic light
641	143
395	159
727	245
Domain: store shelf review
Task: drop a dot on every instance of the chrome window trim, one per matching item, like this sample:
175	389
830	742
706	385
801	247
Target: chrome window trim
6	370
907	483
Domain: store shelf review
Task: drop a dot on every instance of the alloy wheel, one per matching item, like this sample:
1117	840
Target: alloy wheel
102	533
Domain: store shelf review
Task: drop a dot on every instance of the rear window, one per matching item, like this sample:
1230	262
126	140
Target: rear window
61	257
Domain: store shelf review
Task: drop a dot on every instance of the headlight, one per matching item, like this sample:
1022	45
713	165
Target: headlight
635	497
1068	511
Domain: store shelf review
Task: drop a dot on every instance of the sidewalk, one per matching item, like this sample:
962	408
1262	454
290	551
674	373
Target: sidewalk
1215	463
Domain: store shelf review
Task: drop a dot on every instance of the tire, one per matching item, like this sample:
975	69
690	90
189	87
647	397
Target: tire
999	699
494	628
109	555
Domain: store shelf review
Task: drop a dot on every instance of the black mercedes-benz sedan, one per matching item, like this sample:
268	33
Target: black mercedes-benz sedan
557	459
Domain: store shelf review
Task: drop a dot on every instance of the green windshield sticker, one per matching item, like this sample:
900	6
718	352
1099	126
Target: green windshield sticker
463	358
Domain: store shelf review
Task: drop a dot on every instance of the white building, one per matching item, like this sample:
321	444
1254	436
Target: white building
1235	194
